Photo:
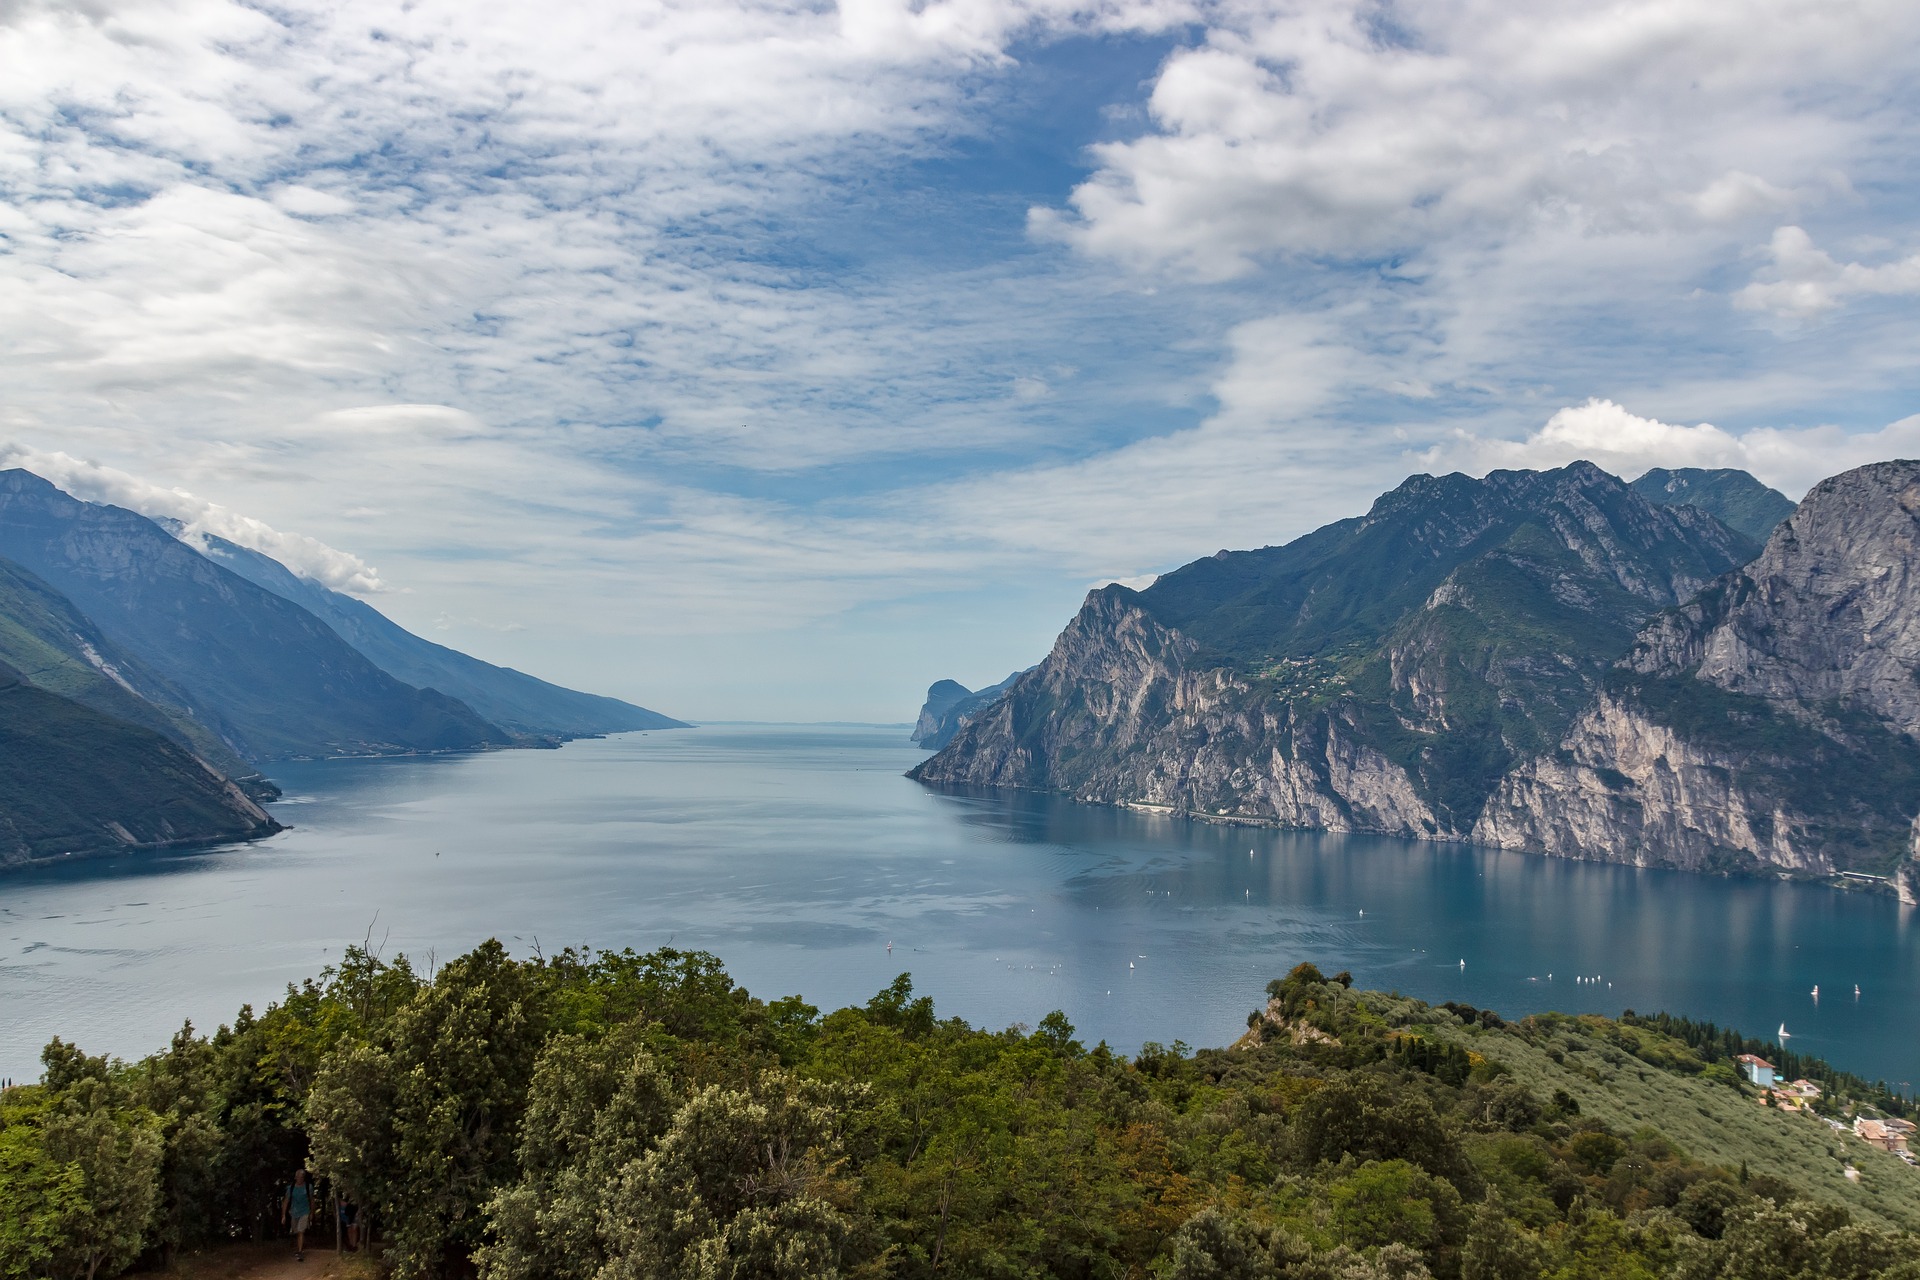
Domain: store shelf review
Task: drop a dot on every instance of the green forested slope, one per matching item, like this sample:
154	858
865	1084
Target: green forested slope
55	647
626	1117
75	781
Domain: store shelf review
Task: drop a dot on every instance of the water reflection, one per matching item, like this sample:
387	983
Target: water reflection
797	854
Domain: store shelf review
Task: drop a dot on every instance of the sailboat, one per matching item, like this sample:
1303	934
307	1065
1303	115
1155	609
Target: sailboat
1783	1033
1816	992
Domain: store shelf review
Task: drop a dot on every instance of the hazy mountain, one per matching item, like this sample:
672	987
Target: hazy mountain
1382	673
74	781
53	646
1733	497
1771	722
951	704
266	676
509	698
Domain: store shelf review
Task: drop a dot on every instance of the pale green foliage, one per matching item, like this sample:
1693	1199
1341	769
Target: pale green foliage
1212	1246
740	1185
594	1109
80	1171
42	1199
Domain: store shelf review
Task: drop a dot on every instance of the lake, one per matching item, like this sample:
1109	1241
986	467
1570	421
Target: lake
797	854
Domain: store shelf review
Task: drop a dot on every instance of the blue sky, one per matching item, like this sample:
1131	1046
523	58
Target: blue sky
764	360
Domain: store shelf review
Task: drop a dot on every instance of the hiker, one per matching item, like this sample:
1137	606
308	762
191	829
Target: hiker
296	1213
350	1222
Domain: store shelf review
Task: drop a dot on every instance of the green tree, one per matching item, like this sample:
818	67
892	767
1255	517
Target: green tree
118	1152
742	1184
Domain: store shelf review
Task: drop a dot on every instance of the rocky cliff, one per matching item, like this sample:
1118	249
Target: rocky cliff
1771	723
1543	661
1380	674
949	706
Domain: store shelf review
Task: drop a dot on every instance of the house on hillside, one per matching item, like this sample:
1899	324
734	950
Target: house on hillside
1878	1133
1757	1070
1798	1096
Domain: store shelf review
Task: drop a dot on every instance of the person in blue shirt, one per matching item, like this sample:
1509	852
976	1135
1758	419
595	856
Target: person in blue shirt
296	1213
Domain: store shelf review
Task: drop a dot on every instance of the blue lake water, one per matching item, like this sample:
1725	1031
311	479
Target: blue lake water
797	853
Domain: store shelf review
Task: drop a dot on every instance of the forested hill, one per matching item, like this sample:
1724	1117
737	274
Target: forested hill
612	1116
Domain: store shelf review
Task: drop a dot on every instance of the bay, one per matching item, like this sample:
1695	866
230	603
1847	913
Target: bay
796	854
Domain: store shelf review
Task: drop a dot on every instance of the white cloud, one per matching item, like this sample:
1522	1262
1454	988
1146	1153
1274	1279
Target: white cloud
1791	459
1326	127
306	556
1805	280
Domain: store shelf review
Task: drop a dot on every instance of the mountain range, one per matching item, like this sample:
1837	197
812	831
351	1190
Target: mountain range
183	667
1662	673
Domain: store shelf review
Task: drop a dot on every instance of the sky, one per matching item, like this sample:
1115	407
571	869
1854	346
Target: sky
771	361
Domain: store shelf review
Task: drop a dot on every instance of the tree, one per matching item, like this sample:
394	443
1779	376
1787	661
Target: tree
742	1184
594	1110
431	1115
42	1198
117	1151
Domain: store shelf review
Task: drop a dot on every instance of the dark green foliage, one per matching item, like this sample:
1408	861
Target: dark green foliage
628	1117
75	781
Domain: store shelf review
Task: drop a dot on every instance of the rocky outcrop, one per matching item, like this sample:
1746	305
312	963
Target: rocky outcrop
1547	689
1377	675
1770	724
950	705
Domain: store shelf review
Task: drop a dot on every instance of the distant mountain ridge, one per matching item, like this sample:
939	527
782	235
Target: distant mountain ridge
269	678
1735	498
79	782
1444	666
50	644
511	699
951	704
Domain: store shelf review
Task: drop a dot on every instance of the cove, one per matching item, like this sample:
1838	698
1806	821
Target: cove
797	853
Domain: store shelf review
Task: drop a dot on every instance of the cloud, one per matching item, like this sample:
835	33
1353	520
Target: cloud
308	557
1807	281
1331	129
1792	459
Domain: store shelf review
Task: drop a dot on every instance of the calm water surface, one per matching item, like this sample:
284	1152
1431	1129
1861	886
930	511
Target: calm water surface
797	854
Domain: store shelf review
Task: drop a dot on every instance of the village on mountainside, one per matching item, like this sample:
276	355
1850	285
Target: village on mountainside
1889	1133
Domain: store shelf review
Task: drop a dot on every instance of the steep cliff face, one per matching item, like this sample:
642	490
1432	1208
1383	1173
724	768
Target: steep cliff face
1116	715
950	705
1770	723
1380	674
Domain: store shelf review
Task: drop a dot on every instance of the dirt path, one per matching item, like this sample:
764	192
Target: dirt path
270	1261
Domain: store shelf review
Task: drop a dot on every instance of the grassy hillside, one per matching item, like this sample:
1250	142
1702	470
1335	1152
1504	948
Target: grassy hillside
1634	1078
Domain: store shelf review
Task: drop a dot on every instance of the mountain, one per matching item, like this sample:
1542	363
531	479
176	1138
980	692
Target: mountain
951	704
1735	498
53	646
74	781
267	677
511	699
1384	673
1770	723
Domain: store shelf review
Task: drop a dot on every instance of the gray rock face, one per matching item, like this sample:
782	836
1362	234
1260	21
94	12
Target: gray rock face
950	706
1377	675
1769	724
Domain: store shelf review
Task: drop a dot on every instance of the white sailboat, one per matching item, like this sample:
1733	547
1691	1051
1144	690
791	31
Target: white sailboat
1816	993
1783	1033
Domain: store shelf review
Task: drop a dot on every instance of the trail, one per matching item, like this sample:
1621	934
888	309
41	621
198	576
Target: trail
272	1260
